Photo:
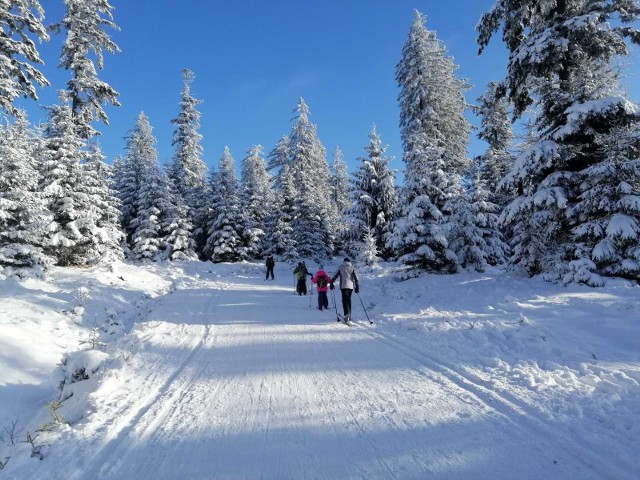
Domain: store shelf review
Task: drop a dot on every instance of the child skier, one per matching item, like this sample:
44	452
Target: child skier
321	281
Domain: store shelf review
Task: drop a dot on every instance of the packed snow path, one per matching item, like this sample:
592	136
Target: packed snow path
234	377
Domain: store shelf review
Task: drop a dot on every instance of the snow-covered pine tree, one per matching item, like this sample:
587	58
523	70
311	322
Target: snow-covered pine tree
18	20
178	241
315	220
84	25
495	130
23	212
152	200
339	185
187	170
367	250
225	241
561	55
609	209
373	197
495	249
280	239
71	231
279	156
339	181
256	196
140	158
105	213
434	135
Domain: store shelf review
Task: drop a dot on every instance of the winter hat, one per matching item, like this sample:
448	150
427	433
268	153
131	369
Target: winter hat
347	260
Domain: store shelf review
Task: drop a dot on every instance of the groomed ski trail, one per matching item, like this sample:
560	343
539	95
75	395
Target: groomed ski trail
234	377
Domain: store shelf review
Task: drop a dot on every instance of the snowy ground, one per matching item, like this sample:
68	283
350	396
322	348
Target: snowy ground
207	371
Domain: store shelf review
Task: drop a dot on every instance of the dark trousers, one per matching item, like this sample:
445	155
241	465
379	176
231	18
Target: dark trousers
323	301
302	286
346	302
269	271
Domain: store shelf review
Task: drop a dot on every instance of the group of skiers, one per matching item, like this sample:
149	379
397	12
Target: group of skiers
323	282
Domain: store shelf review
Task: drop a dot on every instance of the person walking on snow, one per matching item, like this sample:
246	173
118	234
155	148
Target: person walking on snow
270	263
301	273
321	280
348	283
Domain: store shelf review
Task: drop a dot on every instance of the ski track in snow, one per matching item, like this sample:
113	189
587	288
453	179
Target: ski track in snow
233	377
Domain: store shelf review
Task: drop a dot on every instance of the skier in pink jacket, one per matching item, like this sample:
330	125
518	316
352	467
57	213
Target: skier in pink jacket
321	281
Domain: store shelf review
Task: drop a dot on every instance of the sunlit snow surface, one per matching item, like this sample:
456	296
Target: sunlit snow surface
213	372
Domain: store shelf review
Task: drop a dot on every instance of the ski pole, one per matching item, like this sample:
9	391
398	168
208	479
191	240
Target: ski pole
333	298
365	310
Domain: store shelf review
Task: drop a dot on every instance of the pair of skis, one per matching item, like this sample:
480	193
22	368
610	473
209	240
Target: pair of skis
349	323
341	319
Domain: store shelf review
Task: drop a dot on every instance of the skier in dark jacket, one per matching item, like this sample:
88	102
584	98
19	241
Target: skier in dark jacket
270	263
348	283
301	273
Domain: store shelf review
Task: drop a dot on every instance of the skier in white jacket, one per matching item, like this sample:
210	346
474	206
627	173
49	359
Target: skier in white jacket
348	283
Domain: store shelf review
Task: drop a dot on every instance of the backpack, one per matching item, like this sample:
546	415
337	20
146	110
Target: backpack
322	281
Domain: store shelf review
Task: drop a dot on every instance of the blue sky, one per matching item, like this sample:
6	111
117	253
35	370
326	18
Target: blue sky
254	59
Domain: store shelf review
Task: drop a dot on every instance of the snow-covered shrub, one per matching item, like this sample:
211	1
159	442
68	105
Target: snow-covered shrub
76	367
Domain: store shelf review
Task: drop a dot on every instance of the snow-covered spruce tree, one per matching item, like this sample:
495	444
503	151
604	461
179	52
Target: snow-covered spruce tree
23	212
495	248
373	197
256	196
152	200
339	185
279	156
280	239
434	135
315	220
609	207
225	242
141	157
495	130
187	170
18	20
71	231
84	25
105	213
367	250
561	54
178	241
339	181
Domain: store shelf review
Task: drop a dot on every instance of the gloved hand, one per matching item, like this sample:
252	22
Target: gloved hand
357	289
331	286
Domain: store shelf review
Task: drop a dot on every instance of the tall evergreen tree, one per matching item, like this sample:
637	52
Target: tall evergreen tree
225	242
187	170
315	221
434	135
23	212
84	25
151	200
339	182
71	232
373	197
279	156
18	20
176	227
141	157
495	129
280	236
561	54
339	187
256	195
104	210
